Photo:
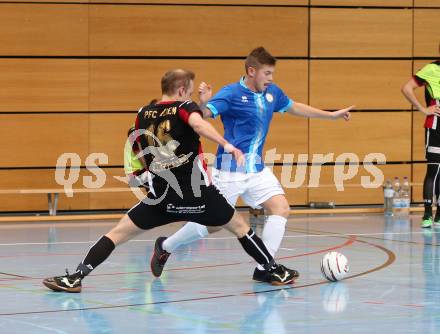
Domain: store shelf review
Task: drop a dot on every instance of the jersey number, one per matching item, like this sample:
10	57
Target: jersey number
163	143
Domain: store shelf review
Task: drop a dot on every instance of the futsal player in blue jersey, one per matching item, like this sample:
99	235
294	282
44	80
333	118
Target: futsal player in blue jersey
246	108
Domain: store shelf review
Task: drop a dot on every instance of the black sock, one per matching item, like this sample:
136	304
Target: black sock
96	255
437	213
255	247
428	208
430	187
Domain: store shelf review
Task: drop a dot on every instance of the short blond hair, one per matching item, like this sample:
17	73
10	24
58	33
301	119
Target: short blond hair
174	79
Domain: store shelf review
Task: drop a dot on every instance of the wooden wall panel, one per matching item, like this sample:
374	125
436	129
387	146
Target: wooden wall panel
46	1
288	135
43	30
295	195
45	178
292	76
139	30
418	137
426	37
367	132
35	179
350	32
179	2
368	84
43	85
47	85
212	2
356	194
427	3
387	3
129	84
419	171
118	200
38	140
108	133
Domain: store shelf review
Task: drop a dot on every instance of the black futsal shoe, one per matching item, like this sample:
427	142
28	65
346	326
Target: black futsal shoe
66	283
159	257
265	276
282	275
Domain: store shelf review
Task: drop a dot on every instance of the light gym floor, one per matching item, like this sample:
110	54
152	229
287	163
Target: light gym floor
393	284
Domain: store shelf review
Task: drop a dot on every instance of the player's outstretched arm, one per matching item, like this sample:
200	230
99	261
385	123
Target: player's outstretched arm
205	129
408	91
304	110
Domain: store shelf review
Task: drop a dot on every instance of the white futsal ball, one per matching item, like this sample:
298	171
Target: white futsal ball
334	266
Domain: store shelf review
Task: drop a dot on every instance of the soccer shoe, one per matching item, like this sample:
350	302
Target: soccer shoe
159	257
437	221
265	276
426	222
66	283
281	275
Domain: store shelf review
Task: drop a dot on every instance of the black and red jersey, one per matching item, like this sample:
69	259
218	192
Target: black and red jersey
168	143
429	76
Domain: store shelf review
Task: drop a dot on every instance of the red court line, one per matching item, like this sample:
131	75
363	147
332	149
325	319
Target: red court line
15	275
350	241
391	258
388	304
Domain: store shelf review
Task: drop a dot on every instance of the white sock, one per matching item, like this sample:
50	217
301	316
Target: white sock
187	234
273	233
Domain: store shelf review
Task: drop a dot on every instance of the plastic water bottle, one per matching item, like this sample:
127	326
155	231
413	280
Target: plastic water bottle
405	196
388	194
397	199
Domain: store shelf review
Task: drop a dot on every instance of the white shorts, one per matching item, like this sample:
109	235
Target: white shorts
253	188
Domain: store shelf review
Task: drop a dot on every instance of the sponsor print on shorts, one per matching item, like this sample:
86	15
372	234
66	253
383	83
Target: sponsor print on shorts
172	208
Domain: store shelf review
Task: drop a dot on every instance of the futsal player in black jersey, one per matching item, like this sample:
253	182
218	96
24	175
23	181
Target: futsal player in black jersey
179	188
429	77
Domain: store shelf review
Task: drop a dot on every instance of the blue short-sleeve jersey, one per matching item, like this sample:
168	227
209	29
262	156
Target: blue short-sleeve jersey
246	117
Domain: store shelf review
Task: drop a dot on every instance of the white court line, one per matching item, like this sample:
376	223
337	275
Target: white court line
227	238
288	249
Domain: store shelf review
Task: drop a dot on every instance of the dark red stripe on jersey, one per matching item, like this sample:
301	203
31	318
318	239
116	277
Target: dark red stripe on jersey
429	121
418	80
184	115
166	102
204	164
136	127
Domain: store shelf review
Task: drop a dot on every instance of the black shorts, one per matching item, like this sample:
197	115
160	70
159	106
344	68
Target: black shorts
432	145
209	209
